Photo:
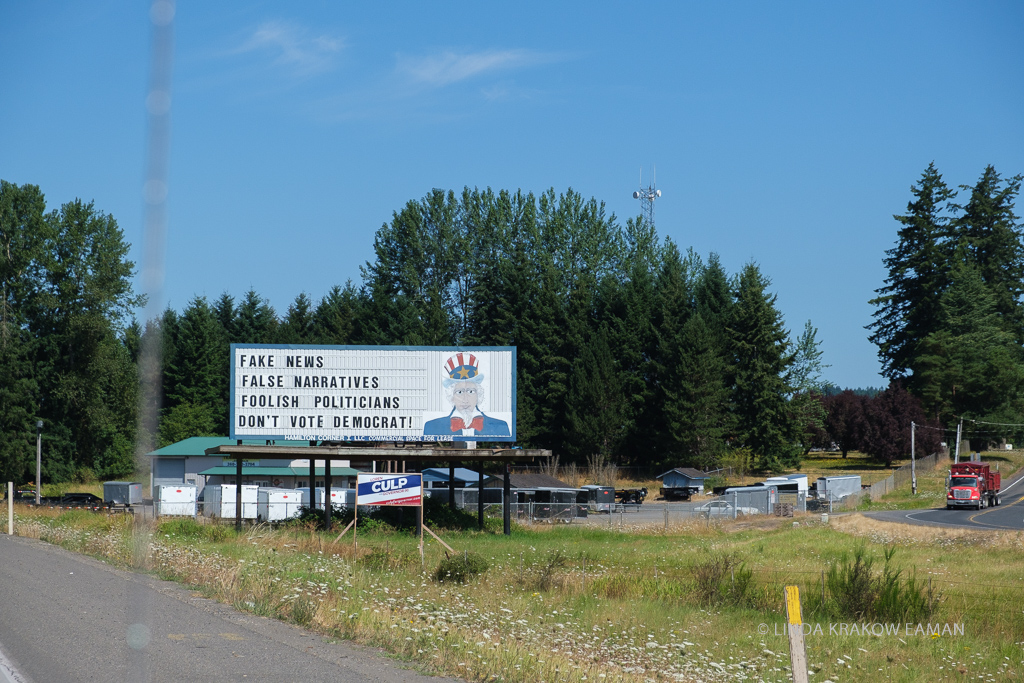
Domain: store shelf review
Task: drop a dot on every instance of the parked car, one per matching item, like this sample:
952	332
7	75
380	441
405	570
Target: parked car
724	509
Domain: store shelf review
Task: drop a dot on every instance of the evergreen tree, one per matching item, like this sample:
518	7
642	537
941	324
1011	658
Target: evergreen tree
988	237
972	365
18	404
255	321
805	378
762	360
696	397
596	410
907	307
627	305
195	369
336	319
298	325
186	420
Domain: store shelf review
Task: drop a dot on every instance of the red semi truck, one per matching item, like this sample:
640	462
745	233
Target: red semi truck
972	484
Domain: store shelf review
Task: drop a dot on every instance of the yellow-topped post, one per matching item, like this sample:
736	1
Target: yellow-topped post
795	629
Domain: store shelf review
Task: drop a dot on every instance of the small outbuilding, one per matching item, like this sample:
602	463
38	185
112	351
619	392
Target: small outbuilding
681	483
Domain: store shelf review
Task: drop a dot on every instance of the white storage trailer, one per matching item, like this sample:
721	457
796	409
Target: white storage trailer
122	492
340	497
219	501
789	479
837	488
175	500
274	505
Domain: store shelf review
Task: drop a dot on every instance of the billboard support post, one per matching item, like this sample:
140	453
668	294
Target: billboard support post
451	484
507	493
238	494
480	494
328	507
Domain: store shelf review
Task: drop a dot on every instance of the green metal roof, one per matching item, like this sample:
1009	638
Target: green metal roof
196	446
222	470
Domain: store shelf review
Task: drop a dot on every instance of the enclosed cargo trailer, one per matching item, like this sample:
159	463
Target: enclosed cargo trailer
175	500
219	501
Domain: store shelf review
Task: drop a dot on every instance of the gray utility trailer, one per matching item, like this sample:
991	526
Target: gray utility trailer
122	493
837	488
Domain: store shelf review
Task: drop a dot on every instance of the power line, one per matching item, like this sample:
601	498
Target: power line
998	424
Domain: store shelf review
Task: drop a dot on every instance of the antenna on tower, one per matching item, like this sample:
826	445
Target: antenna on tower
647	195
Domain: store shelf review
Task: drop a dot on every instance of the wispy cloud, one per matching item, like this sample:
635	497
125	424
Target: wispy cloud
450	67
293	46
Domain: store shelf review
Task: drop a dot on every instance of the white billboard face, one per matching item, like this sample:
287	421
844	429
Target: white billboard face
372	393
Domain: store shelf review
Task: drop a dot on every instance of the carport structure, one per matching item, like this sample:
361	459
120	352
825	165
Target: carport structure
392	456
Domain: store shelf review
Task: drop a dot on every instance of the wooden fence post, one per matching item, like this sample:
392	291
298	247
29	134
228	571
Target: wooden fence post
795	630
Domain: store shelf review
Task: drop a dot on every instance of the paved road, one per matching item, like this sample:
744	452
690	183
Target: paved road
66	618
1008	515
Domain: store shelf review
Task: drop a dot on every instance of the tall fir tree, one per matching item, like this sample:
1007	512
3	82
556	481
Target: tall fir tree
971	366
255	321
761	360
907	306
194	372
695	397
298	325
988	237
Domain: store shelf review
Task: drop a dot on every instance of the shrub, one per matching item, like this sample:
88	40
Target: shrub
311	518
387	559
856	591
549	573
459	568
721	579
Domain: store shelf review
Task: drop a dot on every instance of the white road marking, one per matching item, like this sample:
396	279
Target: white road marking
1011	485
8	674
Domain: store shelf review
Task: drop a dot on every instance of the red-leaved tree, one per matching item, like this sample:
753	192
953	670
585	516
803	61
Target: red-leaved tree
887	419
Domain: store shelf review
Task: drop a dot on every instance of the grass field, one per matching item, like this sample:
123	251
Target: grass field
694	602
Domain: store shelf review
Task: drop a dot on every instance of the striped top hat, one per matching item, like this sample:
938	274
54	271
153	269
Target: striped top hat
463	367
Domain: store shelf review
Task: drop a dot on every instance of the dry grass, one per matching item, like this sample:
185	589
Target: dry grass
572	604
878	531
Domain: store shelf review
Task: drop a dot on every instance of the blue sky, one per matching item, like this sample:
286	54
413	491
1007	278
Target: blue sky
784	133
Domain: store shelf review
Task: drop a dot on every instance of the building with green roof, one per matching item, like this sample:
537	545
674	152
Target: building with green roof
186	462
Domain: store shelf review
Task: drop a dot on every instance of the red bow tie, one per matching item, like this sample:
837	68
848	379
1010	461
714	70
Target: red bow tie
477	424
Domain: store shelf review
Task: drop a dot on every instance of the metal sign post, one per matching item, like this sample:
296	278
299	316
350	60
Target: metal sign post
913	462
400	490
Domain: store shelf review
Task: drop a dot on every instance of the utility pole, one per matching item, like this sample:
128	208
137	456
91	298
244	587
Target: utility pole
959	429
913	461
39	458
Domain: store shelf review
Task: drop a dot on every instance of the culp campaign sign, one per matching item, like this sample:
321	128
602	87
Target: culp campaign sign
389	489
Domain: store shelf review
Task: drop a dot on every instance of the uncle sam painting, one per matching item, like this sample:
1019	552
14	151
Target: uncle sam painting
465	389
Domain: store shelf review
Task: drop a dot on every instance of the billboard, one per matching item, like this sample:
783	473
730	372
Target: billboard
373	393
389	489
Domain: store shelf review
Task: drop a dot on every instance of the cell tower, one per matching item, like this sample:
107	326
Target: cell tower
647	195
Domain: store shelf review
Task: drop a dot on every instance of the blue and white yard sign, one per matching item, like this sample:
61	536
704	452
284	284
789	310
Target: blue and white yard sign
389	489
373	393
